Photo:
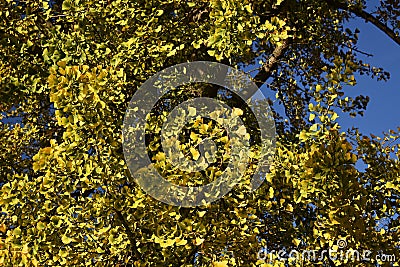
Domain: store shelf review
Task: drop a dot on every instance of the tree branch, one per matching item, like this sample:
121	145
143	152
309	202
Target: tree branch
358	51
271	63
368	18
129	233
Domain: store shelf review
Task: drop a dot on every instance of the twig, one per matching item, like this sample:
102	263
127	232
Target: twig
368	18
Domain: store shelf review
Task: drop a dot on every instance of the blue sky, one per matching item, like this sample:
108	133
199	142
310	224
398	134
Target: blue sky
383	111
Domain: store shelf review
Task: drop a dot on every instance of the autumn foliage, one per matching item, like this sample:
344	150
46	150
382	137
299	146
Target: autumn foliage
67	72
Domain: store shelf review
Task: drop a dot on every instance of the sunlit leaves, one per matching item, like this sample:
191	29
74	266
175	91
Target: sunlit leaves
67	72
239	29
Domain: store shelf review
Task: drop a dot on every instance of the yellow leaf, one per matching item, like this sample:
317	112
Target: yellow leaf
237	111
104	229
160	156
314	127
354	158
390	185
62	64
303	136
224	139
315	232
196	45
180	242
63	253
3	228
36	166
203	128
289	208
333	221
167	243
198	241
201	213
192	111
220	264
194	136
242	130
195	153
17	231
40	226
66	240
271	192
157	239
171	53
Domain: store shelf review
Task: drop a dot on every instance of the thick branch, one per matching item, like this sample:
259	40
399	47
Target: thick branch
271	63
368	18
129	233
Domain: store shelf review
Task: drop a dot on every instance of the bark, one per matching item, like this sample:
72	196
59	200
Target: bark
271	63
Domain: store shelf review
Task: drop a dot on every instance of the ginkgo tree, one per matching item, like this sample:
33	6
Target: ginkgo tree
68	71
